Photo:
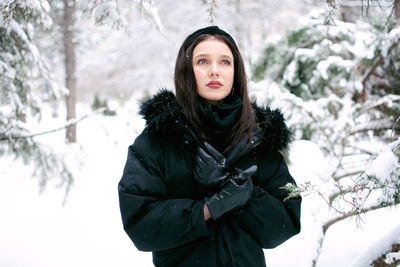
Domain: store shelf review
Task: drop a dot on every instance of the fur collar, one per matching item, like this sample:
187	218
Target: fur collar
164	117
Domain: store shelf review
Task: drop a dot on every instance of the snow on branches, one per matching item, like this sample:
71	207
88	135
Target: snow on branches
25	84
337	84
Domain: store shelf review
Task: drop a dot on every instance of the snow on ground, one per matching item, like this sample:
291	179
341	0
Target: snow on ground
37	231
384	244
344	241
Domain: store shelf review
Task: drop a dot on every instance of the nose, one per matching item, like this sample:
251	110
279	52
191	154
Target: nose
214	72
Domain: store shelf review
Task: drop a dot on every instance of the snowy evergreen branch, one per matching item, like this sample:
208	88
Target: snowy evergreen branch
47	166
338	94
148	8
26	85
291	55
293	190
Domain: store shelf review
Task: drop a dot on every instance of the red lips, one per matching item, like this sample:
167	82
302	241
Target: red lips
214	84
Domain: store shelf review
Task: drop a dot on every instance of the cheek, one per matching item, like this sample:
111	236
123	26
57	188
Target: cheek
196	74
230	75
199	75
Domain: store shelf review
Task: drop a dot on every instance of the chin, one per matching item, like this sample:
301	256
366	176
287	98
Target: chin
214	98
213	95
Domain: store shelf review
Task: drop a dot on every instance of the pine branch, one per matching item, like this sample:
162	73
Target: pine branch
289	58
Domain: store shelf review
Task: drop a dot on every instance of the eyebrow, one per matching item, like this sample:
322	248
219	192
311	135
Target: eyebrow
207	55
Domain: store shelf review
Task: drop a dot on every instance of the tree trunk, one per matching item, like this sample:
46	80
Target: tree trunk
347	13
70	78
242	30
397	8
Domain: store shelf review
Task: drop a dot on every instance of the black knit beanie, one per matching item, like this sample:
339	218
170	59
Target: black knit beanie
212	30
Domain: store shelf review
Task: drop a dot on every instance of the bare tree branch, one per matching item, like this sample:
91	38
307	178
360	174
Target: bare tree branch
372	70
338	219
394	125
385	124
347	174
4	137
357	212
362	150
368	75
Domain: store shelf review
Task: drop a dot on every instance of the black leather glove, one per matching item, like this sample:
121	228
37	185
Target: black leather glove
233	195
210	167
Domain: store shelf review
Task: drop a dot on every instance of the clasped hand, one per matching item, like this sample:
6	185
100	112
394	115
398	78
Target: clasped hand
235	186
210	167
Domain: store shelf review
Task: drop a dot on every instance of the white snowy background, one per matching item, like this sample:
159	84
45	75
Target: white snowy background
41	230
38	231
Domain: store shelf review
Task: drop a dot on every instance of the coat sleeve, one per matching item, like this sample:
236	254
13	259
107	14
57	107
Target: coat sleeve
152	221
268	218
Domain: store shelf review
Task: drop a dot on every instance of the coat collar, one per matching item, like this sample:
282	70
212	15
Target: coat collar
164	117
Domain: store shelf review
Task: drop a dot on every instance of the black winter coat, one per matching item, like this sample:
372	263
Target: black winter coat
162	205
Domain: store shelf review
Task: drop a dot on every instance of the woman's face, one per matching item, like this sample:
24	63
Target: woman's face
213	69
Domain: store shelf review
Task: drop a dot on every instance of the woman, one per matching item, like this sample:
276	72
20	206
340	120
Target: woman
202	185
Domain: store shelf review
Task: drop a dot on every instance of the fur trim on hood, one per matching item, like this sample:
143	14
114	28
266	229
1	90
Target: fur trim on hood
164	116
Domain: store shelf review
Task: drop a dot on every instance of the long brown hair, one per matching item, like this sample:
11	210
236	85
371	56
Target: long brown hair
187	97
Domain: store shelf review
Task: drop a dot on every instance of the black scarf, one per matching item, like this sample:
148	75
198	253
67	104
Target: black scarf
218	120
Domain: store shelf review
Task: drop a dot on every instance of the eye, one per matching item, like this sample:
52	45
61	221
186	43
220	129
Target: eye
226	62
202	61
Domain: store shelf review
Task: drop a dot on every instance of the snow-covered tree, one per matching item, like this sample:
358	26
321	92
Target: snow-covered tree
68	15
25	84
140	58
31	52
339	86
